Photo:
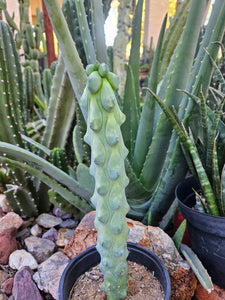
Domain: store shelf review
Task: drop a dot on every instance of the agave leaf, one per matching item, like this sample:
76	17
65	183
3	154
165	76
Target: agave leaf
134	189
146	124
179	234
130	109
64	192
44	166
217	71
134	59
168	217
36	144
85	33
70	55
98	30
197	267
174	170
182	59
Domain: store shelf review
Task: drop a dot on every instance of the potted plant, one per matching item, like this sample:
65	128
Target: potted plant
90	258
201	197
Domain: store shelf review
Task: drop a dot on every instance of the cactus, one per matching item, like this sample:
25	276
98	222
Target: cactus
15	109
47	83
58	158
70	13
107	167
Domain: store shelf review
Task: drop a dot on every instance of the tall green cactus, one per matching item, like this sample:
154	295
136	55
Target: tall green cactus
107	166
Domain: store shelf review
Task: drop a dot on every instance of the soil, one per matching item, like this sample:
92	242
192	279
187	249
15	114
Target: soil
141	285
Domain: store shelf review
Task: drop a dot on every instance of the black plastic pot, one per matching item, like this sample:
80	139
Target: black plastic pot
90	258
207	232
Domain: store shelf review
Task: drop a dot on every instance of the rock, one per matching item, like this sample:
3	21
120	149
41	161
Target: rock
59	213
40	248
3	277
69	223
27	223
24	286
49	273
36	230
8	286
183	281
10	220
22	258
23	234
8	244
2	214
4	204
216	294
3	296
64	236
51	234
85	235
48	221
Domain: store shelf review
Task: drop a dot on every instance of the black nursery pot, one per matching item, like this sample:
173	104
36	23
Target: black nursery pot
207	232
90	258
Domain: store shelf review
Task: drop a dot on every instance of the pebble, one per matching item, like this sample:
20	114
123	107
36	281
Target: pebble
11	219
64	236
49	273
40	248
8	244
4	204
3	277
24	285
48	220
22	258
59	213
51	234
69	223
1	213
8	286
23	234
3	296
36	230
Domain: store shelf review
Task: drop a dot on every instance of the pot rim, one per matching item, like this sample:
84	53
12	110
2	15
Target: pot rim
137	250
199	220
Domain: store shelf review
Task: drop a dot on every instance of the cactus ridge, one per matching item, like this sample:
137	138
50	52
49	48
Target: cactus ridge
12	96
107	167
58	158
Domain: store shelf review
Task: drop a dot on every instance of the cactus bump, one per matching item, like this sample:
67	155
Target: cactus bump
108	153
